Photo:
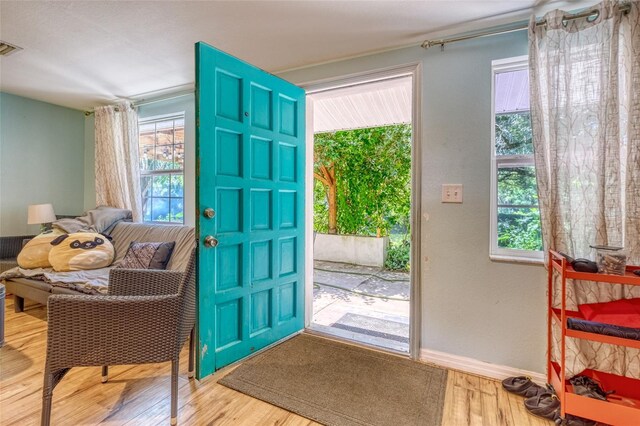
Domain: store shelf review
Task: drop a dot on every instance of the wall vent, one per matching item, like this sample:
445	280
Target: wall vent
8	49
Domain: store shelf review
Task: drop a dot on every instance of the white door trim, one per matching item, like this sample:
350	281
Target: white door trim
414	70
308	214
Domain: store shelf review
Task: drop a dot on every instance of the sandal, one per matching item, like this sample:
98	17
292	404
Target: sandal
571	420
523	386
545	405
586	386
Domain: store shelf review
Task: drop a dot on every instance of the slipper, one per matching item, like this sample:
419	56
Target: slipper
586	386
571	420
523	386
545	405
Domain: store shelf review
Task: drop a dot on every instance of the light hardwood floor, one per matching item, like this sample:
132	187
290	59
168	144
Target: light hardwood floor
139	395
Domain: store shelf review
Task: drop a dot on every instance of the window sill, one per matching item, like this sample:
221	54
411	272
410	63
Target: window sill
516	259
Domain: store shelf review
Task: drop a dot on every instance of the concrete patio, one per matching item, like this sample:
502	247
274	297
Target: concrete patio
362	303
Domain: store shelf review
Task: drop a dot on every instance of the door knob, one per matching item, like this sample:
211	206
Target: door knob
209	213
210	241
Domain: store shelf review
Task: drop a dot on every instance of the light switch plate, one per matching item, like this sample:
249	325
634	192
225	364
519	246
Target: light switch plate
452	193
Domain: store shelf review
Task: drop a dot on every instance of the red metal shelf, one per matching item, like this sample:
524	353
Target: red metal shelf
617	410
612	340
621	408
618	341
556	259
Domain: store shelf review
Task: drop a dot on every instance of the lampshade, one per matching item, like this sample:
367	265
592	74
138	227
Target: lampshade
40	213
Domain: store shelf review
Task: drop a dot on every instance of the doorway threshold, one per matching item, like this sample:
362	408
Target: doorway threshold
360	339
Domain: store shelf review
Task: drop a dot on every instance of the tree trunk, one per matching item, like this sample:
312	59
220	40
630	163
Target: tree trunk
328	178
333	209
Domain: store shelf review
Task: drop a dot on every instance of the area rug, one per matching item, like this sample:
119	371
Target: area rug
343	385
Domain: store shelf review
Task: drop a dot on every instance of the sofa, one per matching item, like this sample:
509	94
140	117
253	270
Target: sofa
39	289
9	249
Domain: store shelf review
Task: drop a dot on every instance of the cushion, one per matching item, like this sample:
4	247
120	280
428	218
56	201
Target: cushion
624	312
81	251
35	254
147	255
184	237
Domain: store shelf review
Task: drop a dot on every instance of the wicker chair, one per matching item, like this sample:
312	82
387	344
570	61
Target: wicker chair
146	318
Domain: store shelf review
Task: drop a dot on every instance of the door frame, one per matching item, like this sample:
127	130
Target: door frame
413	69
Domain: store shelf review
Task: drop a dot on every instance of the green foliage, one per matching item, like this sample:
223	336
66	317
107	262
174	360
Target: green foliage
169	217
373	178
320	208
519	228
518	212
162	197
398	255
513	134
517	185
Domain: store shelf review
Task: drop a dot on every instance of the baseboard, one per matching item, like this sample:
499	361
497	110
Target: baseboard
474	366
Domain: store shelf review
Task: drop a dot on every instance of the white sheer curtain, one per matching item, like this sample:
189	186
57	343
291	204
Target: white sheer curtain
116	158
585	108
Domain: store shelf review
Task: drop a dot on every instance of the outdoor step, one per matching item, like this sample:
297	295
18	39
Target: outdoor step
345	267
378	287
338	279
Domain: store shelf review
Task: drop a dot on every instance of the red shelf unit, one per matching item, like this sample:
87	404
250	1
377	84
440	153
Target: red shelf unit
622	408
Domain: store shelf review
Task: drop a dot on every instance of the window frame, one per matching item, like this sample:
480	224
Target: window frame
496	252
151	173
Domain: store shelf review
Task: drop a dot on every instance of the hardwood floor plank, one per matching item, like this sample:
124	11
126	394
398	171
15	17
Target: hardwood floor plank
449	411
489	402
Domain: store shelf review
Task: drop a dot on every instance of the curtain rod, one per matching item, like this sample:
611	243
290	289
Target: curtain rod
585	14
152	100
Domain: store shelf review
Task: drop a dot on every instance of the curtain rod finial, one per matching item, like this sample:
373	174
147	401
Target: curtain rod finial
430	43
426	44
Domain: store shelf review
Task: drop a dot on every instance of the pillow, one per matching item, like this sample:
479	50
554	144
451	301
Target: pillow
80	251
35	254
147	255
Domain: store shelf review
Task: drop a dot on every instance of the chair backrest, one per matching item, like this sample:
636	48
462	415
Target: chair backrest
184	236
187	295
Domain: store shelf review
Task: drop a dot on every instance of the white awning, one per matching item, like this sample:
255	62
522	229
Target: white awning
512	91
375	104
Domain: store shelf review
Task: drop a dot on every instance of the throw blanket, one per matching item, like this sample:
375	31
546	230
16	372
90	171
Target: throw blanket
94	281
99	220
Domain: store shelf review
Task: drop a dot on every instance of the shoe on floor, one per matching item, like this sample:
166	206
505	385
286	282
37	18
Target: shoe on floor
546	405
523	386
571	420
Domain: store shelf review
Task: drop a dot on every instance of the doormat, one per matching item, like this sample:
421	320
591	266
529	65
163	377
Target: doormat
343	385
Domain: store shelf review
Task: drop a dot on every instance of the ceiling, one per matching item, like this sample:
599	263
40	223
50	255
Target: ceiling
375	104
81	54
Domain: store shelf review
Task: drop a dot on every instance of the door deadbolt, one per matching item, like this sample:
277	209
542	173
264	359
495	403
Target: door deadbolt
209	213
210	241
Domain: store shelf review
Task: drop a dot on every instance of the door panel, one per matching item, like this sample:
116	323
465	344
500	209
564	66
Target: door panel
250	155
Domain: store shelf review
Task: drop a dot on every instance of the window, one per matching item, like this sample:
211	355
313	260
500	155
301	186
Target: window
161	146
515	215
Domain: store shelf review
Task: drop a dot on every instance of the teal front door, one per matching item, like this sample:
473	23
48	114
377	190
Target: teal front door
250	152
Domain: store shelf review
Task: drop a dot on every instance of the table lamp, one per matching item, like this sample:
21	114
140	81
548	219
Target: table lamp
41	214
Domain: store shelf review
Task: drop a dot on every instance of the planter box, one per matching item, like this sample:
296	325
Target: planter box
368	251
